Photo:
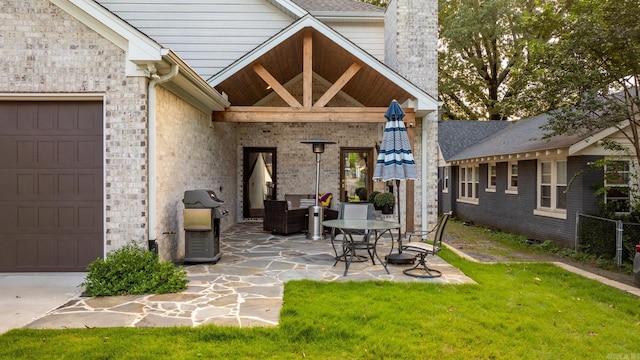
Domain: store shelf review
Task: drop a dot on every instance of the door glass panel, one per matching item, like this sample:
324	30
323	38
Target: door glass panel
259	180
357	172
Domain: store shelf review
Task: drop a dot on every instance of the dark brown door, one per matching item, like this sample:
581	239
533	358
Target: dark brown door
260	173
356	173
51	186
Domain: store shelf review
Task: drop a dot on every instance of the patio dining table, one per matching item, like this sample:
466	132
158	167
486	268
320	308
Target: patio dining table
348	227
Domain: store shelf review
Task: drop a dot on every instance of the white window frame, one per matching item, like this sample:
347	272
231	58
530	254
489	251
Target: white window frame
466	183
622	185
446	178
512	189
557	184
491	176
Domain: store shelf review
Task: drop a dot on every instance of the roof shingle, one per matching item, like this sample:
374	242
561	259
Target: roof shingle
337	5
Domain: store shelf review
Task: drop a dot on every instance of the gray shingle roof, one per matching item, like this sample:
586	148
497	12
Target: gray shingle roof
521	137
337	5
455	136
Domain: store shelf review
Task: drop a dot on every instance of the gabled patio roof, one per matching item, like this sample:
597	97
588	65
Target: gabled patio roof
326	64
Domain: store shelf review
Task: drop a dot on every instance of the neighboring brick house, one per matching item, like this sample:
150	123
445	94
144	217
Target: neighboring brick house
109	111
504	176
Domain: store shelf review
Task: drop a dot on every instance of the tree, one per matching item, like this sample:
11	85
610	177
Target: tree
381	3
591	71
484	56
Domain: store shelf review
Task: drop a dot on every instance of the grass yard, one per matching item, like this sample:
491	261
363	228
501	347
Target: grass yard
517	311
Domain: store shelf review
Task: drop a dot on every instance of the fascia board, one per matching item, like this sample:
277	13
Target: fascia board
289	7
593	139
138	46
424	102
349	16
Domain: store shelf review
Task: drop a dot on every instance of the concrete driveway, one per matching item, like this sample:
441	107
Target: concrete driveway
25	297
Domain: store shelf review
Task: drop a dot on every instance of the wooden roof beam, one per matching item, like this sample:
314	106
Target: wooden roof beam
307	70
338	85
276	86
262	114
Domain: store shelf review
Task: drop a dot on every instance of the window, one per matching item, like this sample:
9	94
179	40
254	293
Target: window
616	182
512	178
552	184
445	179
491	177
469	184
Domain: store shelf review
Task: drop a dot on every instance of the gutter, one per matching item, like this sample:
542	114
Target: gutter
156	80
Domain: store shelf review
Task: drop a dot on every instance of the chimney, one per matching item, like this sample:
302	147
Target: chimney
411	41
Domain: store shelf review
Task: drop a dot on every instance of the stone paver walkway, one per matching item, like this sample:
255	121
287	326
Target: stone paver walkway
243	289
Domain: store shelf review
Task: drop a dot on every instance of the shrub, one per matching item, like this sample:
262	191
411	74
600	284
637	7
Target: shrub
361	193
133	269
372	196
385	199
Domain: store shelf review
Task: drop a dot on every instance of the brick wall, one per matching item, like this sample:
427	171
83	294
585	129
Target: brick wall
296	161
514	212
191	153
44	50
411	38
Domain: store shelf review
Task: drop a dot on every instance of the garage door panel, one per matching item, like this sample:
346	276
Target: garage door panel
51	185
55	185
37	118
20	218
63	153
41	253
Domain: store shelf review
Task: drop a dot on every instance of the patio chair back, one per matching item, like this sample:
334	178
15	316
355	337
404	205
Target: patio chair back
355	211
437	239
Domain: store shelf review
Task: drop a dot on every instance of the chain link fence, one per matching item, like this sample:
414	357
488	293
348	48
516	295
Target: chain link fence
607	238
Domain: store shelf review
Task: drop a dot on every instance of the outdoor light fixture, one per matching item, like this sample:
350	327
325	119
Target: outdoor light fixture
316	213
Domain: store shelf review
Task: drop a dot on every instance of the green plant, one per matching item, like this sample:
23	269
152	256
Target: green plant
384	199
133	269
372	196
361	193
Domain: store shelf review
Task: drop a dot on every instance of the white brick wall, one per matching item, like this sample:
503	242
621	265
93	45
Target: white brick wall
191	154
297	162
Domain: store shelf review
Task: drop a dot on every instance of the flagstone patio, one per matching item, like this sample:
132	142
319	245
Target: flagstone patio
244	288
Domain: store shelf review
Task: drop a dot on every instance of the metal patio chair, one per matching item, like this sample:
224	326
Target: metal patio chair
423	249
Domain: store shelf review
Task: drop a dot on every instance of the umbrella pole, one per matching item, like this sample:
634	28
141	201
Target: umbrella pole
399	218
400	258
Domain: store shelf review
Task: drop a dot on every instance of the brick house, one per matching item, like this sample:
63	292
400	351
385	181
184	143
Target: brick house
503	176
109	111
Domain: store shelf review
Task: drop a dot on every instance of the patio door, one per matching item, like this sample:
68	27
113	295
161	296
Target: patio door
356	174
259	180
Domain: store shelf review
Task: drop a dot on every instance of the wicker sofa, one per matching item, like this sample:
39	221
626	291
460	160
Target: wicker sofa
287	216
279	219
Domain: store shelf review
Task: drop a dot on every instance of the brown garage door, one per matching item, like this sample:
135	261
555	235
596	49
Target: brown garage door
51	202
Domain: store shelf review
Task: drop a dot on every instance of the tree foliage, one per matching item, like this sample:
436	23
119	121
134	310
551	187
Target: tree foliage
484	56
381	3
590	71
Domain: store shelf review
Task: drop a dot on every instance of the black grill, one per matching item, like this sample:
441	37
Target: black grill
202	213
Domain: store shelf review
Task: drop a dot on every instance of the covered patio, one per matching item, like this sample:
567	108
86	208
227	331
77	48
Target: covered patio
244	288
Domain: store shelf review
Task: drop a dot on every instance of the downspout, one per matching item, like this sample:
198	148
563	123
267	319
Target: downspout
151	177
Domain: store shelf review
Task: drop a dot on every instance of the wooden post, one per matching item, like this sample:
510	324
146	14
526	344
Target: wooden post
410	212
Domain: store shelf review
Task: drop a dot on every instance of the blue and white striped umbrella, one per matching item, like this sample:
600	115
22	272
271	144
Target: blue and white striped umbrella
395	160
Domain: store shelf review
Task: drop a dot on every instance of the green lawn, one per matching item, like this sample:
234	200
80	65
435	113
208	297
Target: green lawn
517	311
